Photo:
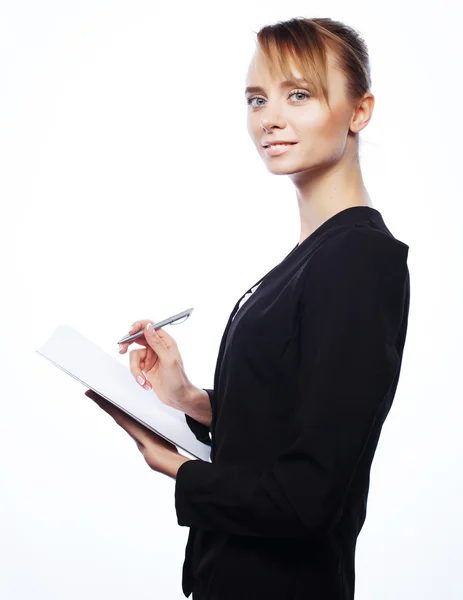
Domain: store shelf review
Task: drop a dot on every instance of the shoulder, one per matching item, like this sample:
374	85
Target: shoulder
359	255
361	238
361	244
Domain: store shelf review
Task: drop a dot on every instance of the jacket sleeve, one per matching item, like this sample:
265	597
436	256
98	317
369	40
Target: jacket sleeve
200	430
351	312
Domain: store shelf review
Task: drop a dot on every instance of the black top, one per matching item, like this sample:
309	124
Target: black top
305	377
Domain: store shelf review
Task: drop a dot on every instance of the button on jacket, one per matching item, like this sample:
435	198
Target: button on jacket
306	374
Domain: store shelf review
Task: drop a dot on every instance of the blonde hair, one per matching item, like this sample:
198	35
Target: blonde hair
304	42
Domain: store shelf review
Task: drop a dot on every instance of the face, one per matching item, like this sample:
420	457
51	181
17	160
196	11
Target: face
289	113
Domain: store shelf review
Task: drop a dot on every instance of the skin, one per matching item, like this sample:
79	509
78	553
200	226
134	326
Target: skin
323	165
159	454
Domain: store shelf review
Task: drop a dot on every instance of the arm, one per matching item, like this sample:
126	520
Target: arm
356	288
198	414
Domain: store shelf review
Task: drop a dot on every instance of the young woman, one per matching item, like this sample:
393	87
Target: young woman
310	357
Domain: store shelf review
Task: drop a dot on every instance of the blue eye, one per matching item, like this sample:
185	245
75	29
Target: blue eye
249	100
305	94
299	92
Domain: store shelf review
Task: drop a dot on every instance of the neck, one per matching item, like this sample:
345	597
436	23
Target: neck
325	192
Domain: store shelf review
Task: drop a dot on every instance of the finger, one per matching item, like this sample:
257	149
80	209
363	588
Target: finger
135	328
139	325
98	399
93	395
102	402
158	345
137	432
137	360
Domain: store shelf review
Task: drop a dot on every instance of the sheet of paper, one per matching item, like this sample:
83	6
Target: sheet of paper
96	369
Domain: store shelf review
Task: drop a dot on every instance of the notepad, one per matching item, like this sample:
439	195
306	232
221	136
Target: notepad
79	357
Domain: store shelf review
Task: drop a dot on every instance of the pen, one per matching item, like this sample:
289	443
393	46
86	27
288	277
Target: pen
134	336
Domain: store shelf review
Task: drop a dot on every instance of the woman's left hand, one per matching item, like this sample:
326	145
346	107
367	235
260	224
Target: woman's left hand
160	455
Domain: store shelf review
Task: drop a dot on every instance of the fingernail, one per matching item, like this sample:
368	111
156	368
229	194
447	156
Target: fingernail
120	347
147	387
140	379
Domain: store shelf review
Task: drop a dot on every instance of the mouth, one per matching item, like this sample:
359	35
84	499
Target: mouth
277	149
279	144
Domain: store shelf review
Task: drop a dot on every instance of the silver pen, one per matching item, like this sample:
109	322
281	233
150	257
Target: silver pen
134	336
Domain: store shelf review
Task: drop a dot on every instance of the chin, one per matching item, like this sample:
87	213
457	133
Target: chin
282	169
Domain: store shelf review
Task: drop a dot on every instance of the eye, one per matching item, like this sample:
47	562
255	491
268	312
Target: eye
296	92
249	100
300	93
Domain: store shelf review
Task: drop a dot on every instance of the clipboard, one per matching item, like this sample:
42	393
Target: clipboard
83	360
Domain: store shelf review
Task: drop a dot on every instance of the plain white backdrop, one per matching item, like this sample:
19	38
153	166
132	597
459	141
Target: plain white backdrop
130	189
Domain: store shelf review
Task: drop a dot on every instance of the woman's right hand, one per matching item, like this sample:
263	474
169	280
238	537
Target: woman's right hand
159	365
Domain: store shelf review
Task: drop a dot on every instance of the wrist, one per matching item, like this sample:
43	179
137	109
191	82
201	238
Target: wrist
198	406
190	399
173	464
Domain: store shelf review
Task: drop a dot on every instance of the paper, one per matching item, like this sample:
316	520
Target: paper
96	369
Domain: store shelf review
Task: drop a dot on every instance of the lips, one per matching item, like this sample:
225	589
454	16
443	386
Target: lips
277	149
278	144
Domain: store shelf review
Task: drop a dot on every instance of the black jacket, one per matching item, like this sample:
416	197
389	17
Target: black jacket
305	377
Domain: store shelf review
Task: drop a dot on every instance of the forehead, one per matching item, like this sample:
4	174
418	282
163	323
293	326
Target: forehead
259	73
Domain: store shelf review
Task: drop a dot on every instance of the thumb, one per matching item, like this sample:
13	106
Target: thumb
156	342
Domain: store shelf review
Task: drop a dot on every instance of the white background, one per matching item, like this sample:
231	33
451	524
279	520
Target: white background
130	189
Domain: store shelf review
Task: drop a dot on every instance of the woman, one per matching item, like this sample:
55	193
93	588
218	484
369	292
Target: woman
310	358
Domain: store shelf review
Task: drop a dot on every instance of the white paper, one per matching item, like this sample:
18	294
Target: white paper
96	369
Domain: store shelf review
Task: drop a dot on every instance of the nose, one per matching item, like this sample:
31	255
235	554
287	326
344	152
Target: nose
269	123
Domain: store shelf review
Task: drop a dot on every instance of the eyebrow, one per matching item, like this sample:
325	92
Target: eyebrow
283	84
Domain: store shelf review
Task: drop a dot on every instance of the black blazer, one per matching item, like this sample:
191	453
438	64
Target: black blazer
305	377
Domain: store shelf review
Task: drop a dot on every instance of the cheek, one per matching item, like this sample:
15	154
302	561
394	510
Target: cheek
324	134
253	126
316	125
